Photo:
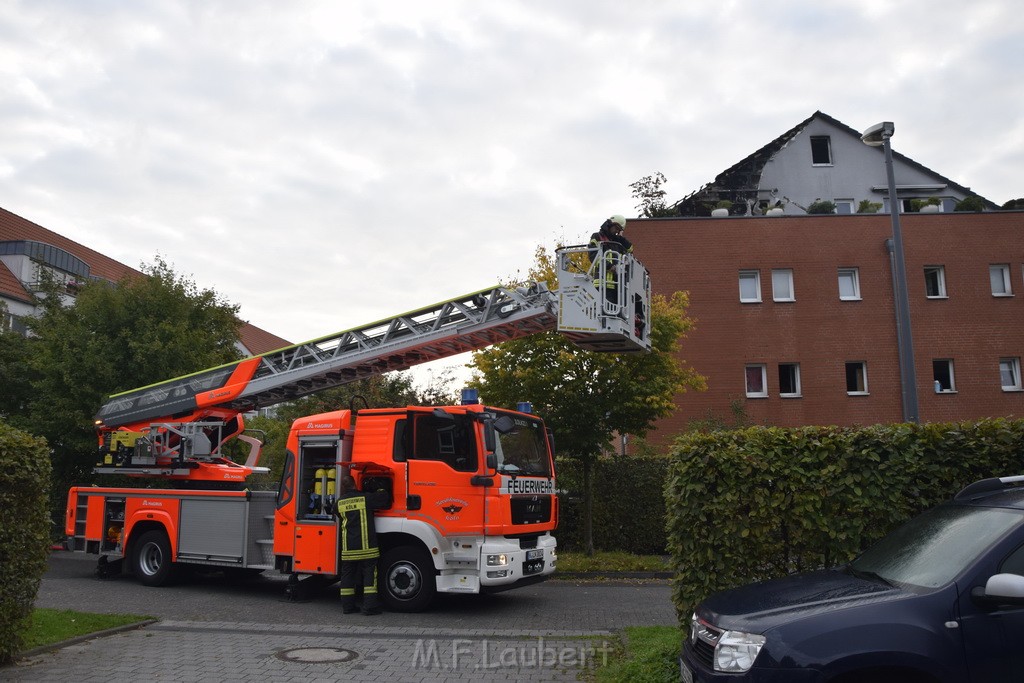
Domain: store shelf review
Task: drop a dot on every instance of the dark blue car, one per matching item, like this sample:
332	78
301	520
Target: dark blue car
939	599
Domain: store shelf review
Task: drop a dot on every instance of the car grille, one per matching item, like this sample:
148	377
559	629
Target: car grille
705	642
705	653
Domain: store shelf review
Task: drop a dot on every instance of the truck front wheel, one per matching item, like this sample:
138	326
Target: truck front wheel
151	560
407	578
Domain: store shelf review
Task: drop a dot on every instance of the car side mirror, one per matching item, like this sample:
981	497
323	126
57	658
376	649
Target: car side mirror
1002	589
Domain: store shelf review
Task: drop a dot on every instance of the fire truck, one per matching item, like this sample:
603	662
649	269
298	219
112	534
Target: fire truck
471	488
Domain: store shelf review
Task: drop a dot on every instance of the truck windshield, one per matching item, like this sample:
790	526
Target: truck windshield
935	547
523	451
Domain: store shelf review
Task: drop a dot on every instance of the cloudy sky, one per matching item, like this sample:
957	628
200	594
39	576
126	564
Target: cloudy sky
330	163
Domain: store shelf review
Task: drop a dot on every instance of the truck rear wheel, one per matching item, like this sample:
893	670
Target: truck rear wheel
407	578
151	559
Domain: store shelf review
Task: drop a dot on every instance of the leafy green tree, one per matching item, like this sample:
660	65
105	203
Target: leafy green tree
389	390
15	375
588	397
142	330
649	192
971	203
1014	205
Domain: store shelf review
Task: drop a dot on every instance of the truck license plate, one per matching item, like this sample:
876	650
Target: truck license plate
684	671
534	555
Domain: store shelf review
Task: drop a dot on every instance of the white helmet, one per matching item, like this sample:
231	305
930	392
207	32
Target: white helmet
617	220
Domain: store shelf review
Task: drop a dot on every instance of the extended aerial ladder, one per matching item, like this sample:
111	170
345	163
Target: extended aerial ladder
174	429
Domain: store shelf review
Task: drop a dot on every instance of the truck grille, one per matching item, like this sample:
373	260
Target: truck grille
531	509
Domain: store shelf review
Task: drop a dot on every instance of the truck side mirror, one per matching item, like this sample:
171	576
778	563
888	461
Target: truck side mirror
492	461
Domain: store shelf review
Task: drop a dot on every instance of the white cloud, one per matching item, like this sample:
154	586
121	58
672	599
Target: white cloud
326	164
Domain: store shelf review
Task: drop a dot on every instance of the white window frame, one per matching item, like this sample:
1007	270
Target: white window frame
845	206
752	393
999	274
864	376
1010	366
797	389
940	272
854	275
939	389
786	275
754	275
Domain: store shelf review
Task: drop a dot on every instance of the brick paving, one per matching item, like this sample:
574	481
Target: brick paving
225	651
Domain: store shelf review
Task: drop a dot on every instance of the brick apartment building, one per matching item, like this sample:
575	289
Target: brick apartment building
796	323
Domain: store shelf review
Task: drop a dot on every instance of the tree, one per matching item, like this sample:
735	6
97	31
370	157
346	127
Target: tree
1014	205
587	397
142	330
380	391
970	203
652	197
15	375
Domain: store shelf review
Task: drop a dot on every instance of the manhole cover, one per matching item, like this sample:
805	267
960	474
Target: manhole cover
322	655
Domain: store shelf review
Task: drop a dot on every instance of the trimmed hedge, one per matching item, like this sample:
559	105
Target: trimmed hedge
24	531
759	503
629	505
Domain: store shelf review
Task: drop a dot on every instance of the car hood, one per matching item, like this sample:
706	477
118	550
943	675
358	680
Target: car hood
758	607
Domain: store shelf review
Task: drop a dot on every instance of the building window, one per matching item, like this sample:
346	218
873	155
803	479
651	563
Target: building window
935	282
782	285
756	378
856	377
849	284
789	380
821	150
942	374
999	275
844	206
1009	374
750	286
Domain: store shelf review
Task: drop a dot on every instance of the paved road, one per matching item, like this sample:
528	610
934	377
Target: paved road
218	630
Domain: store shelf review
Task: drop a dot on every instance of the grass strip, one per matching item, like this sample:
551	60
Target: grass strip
649	654
49	626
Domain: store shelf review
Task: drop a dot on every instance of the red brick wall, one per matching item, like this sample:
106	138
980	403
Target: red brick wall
821	332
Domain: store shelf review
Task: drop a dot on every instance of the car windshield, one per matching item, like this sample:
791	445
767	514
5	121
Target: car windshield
933	548
523	451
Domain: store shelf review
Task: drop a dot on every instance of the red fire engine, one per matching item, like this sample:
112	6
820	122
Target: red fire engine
471	487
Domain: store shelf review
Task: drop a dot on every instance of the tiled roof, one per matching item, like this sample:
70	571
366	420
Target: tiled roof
11	287
746	173
14	227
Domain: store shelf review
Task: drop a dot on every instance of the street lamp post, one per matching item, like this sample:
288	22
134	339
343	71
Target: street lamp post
878	136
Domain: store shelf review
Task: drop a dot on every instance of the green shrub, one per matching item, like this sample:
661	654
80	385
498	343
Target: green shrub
868	206
629	508
972	203
24	531
822	207
758	503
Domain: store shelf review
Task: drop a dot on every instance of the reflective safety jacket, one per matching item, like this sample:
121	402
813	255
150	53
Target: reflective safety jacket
608	247
358	534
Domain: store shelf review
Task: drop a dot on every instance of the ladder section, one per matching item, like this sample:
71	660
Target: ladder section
465	323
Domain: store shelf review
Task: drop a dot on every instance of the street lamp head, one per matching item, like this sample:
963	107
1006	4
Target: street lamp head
877	134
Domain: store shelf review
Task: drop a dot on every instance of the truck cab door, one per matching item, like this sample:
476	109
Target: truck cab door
443	464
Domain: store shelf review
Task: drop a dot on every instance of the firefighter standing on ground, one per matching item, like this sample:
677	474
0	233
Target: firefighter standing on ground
608	244
359	551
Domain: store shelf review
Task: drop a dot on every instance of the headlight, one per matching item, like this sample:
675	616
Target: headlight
737	651
497	560
734	651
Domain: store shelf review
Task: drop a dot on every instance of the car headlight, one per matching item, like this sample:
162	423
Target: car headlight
736	651
497	560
